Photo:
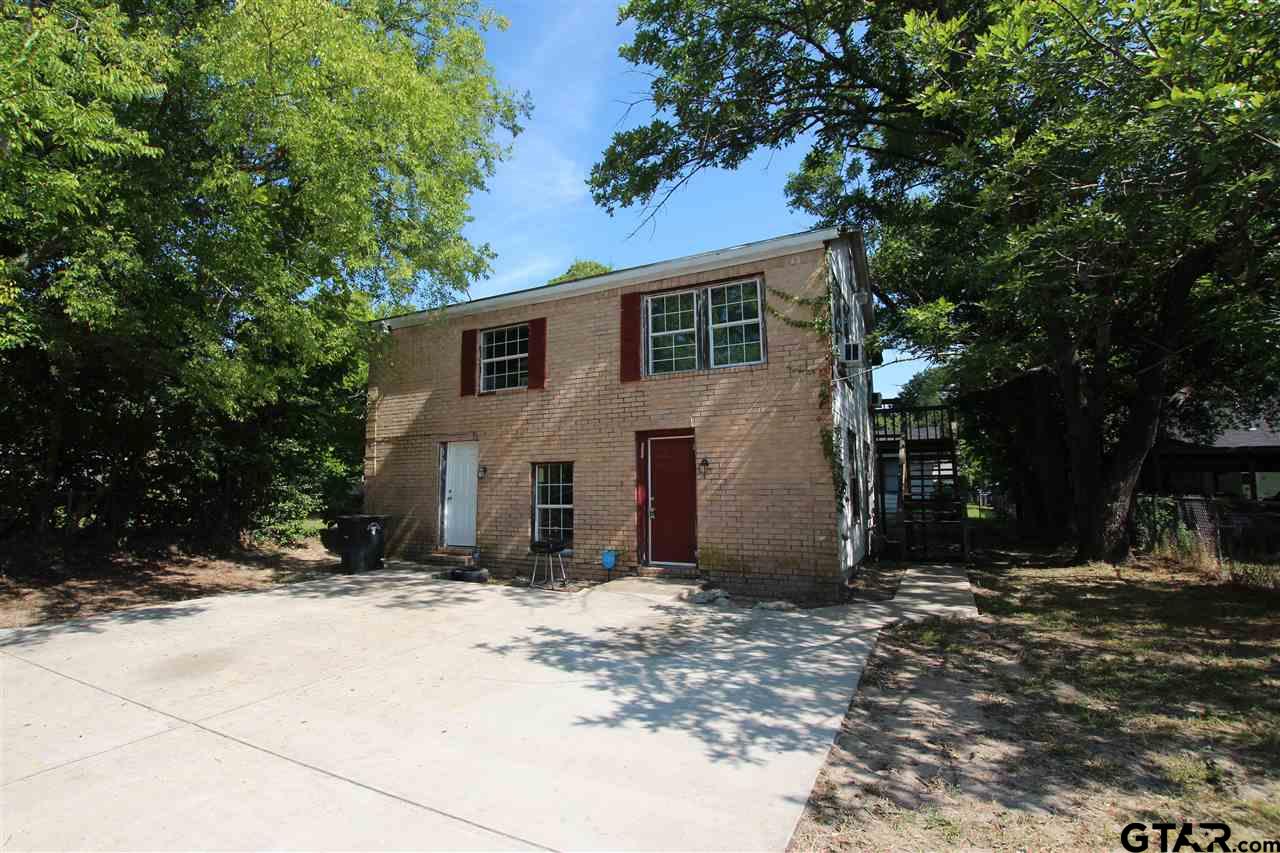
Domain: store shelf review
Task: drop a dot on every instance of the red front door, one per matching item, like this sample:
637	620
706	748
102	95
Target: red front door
673	501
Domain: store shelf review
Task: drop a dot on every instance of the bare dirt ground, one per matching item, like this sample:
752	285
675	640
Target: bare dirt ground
1083	699
877	581
36	587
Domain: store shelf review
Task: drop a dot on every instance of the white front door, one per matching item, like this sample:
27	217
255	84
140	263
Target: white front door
460	493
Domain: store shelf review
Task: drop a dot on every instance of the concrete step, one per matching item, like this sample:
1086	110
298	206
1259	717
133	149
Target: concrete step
680	572
451	559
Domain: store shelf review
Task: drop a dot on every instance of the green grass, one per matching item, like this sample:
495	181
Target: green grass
291	532
981	513
1263	576
313	526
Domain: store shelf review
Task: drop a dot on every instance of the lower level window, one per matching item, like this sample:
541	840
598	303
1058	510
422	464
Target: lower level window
553	501
854	478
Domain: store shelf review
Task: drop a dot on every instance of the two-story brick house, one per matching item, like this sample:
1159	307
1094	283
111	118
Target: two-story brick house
692	414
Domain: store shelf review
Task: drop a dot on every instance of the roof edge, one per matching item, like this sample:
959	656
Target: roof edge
745	253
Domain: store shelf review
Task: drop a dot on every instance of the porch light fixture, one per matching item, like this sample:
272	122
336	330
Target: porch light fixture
481	471
704	466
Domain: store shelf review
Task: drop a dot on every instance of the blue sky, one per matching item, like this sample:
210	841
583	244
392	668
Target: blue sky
538	215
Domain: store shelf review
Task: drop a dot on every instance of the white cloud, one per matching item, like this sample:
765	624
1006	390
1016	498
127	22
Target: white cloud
564	68
537	213
538	178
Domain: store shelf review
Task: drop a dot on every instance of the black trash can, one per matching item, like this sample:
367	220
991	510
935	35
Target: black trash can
360	540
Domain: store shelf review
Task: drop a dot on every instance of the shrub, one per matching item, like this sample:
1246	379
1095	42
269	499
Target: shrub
1254	575
1158	529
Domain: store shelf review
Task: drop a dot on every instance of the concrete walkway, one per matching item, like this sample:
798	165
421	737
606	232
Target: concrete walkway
938	590
392	710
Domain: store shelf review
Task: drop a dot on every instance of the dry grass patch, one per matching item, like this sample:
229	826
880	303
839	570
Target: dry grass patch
1084	698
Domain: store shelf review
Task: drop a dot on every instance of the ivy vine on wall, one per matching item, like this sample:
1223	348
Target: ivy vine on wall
819	323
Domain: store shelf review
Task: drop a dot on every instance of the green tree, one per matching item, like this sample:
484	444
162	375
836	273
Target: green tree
201	205
1083	186
926	388
581	268
65	70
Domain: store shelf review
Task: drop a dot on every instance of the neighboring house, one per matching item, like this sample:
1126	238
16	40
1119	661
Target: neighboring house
682	413
1242	463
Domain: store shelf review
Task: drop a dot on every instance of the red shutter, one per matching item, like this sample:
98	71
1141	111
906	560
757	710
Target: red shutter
468	362
538	352
629	365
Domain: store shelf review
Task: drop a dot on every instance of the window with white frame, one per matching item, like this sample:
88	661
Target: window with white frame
842	324
673	332
735	324
853	478
719	325
504	358
553	501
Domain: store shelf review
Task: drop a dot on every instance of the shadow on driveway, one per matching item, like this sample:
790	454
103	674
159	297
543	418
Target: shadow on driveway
746	683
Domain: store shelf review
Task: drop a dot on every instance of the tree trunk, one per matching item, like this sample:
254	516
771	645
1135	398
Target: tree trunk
1084	438
1105	483
1043	457
1106	535
47	499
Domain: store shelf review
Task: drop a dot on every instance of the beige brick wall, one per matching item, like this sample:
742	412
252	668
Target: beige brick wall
766	507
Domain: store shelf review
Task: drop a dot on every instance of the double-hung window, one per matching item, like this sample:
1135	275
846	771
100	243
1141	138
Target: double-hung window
504	358
716	326
842	324
853	478
673	332
553	501
735	324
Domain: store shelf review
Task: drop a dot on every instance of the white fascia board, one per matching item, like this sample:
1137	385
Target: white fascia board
747	253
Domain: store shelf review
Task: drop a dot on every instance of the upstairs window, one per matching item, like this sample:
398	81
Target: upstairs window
735	324
717	326
504	358
842	325
553	501
673	332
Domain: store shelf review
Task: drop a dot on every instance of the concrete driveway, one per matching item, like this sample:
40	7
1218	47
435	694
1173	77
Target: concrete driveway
391	710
